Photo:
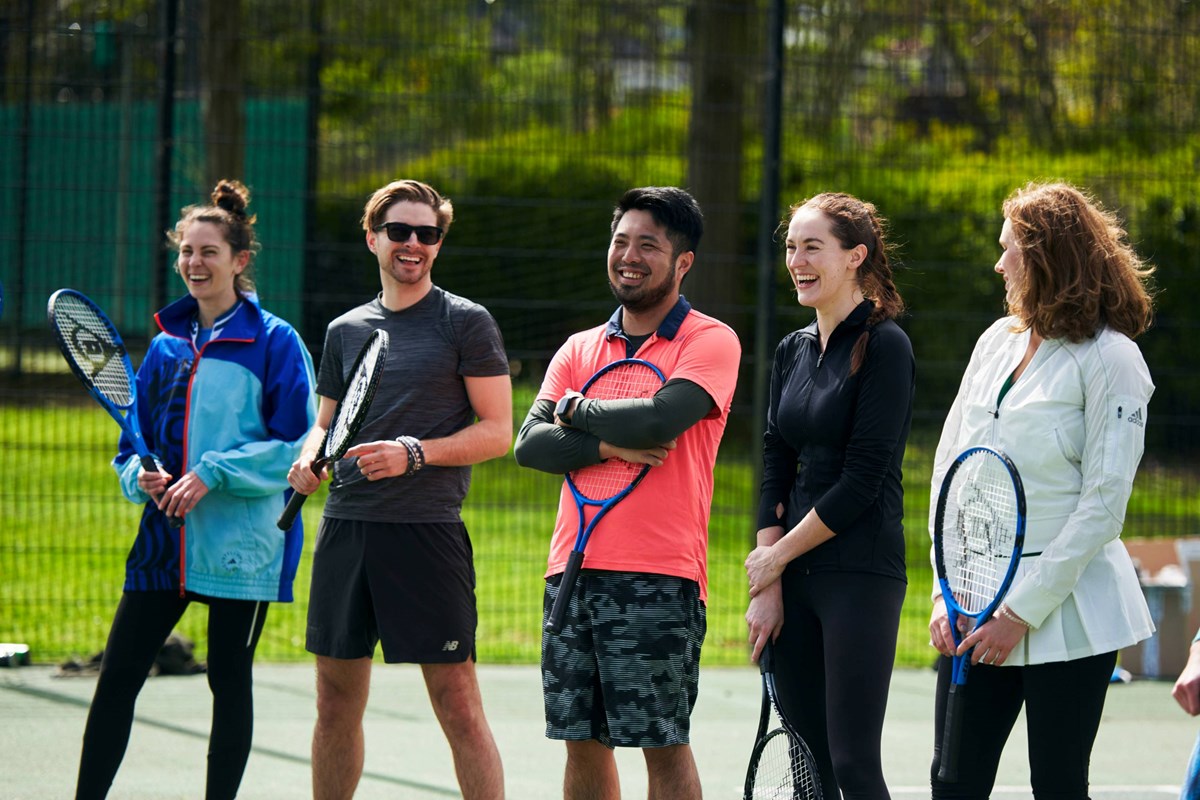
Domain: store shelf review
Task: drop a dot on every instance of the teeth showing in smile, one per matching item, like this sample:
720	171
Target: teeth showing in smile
804	280
630	275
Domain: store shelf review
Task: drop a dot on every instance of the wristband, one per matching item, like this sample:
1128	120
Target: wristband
416	453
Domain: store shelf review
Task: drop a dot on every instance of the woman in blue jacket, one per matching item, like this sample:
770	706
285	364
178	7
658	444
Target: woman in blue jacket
225	399
1061	388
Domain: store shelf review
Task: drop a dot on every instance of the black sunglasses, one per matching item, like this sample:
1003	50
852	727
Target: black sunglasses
400	231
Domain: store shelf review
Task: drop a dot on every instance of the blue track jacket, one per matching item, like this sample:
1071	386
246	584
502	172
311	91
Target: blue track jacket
237	412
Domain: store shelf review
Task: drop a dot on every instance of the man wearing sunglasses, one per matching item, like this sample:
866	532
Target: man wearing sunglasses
393	562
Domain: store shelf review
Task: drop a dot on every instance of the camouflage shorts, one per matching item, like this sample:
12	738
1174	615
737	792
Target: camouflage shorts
624	671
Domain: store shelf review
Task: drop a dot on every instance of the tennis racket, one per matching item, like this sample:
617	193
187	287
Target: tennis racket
979	530
348	416
605	484
781	765
96	354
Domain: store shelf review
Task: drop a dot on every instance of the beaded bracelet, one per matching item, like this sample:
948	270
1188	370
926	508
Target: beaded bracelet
416	453
1011	617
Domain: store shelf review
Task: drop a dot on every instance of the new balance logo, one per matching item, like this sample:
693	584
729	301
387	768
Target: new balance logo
1136	418
450	646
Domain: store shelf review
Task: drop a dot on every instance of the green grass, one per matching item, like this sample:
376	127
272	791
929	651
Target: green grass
66	530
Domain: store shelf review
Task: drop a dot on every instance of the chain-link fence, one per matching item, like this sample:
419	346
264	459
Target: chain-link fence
533	116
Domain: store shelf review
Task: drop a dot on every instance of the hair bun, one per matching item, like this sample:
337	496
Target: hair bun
232	196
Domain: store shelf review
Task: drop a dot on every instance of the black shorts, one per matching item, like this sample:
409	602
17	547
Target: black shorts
625	669
408	586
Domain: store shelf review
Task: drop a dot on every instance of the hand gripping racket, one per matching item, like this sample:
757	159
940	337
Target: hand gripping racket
979	530
781	765
348	416
609	482
96	354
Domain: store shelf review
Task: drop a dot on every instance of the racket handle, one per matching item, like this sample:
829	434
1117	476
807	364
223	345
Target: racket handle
558	612
150	464
952	734
288	517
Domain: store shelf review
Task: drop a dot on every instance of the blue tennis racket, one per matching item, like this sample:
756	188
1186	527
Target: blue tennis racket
96	354
979	530
605	484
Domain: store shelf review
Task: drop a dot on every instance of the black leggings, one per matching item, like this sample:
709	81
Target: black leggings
1063	703
833	670
142	622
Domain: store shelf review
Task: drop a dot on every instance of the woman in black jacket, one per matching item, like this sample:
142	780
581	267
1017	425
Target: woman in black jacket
830	555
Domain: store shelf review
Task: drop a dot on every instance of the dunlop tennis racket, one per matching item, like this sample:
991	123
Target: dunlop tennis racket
979	530
781	765
96	354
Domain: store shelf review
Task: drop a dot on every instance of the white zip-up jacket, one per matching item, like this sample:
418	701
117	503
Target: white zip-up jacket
1074	426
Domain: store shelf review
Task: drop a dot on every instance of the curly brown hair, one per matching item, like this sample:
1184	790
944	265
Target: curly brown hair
1080	272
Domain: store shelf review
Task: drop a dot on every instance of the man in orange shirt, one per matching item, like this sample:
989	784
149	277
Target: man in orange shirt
623	671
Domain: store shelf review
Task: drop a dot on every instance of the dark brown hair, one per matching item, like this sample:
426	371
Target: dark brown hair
230	199
856	222
1080	273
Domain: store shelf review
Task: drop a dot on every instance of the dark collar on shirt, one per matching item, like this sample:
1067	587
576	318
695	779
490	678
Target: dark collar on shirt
667	329
856	319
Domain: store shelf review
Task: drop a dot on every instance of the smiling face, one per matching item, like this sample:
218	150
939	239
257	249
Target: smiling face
209	266
405	263
824	272
643	273
1011	267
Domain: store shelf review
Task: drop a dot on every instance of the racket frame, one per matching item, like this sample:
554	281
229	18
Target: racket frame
570	574
296	502
127	420
797	747
961	665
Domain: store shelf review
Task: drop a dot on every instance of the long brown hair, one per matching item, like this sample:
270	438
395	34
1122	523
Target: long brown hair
230	199
856	222
1080	273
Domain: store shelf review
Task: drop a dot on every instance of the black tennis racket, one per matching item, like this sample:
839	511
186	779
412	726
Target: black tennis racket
979	530
96	354
781	765
609	482
348	416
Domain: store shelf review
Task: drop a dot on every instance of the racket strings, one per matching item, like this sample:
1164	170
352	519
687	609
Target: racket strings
784	770
626	382
94	348
981	531
348	414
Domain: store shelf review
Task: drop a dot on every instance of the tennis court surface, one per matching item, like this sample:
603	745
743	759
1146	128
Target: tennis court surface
1142	749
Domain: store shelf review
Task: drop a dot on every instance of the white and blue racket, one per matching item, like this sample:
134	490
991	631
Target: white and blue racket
605	484
96	354
979	531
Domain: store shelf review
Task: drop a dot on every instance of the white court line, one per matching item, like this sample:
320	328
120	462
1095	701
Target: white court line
1093	790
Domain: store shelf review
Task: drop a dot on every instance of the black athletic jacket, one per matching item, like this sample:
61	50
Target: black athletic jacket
836	441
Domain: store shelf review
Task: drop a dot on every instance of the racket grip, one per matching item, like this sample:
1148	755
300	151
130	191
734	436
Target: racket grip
558	612
150	464
951	734
288	517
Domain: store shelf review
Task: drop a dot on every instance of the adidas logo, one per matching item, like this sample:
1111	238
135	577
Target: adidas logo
1136	418
450	646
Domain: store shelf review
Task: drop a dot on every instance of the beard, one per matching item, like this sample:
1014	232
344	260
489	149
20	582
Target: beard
643	298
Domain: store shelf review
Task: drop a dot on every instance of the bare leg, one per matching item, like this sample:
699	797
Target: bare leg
673	774
591	772
454	694
337	746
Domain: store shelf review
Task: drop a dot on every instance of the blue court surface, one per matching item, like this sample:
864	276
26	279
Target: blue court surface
1141	753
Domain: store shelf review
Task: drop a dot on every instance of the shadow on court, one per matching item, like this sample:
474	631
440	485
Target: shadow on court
1142	749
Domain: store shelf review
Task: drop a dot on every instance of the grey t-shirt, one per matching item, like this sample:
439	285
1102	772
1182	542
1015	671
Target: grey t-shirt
433	345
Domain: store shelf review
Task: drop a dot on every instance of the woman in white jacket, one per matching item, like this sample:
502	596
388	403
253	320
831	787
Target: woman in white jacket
1061	388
